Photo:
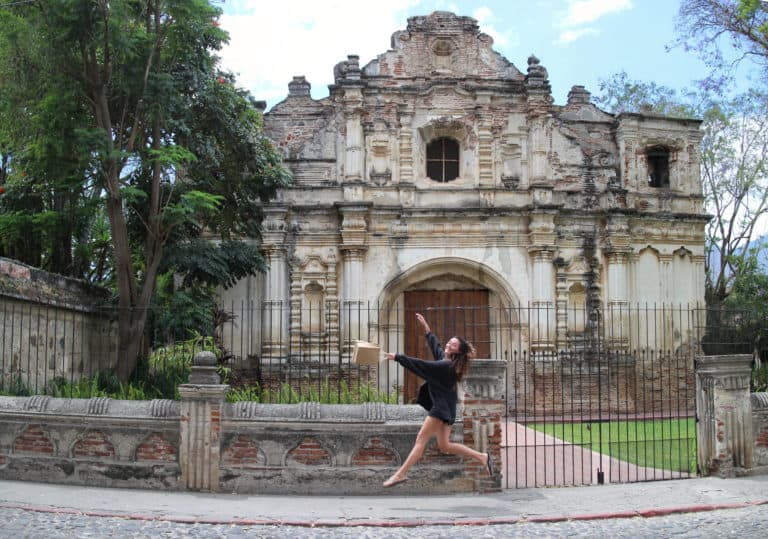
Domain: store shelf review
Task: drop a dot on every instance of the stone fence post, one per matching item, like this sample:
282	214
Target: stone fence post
483	411
202	400
724	414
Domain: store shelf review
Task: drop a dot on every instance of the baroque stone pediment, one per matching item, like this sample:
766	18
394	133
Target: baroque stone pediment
442	45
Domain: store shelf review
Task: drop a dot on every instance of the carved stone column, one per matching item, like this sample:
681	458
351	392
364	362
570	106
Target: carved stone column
486	174
617	250
354	230
406	148
724	412
202	400
539	96
542	252
353	100
276	293
561	304
483	412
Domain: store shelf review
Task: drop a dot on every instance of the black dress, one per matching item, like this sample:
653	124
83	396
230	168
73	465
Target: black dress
438	394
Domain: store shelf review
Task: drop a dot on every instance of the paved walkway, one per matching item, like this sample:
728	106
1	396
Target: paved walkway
612	501
533	459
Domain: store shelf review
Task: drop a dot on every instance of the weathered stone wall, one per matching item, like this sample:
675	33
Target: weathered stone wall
99	442
760	430
52	326
203	443
265	448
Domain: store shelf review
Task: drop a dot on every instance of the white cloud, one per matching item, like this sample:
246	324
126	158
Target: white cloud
581	12
574	21
569	36
485	19
271	42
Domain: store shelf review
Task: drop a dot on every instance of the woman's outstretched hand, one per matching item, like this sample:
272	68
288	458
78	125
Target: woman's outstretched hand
422	322
390	356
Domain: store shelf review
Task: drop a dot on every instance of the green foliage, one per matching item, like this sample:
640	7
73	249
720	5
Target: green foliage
618	93
16	388
725	34
178	315
760	377
324	393
204	263
119	111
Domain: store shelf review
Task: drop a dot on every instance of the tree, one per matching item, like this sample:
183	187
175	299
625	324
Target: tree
734	173
174	149
619	93
706	27
734	161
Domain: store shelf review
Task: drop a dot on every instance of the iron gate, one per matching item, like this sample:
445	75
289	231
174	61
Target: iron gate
615	402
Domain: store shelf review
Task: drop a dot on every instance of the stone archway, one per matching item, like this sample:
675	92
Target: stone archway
461	296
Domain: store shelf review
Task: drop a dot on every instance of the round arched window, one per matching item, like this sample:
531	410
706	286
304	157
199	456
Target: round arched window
443	159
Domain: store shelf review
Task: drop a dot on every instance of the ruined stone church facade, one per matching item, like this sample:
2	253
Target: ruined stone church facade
439	168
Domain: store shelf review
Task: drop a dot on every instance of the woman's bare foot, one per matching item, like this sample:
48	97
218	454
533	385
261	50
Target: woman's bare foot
394	480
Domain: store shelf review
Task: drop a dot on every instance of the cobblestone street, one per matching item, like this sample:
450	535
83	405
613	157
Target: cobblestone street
743	522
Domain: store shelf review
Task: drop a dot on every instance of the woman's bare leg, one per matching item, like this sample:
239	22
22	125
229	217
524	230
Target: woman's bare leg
445	445
430	427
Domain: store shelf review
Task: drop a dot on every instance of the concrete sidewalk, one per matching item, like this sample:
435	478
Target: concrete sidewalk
510	506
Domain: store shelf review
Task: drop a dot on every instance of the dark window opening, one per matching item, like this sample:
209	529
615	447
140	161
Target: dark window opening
658	167
443	159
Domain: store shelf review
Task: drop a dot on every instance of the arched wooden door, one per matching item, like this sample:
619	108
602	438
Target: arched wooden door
462	313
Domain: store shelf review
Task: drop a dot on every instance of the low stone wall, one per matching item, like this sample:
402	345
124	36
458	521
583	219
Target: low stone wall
760	431
99	441
263	448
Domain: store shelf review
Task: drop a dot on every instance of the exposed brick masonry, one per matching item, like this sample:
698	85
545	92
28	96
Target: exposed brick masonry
156	447
33	440
94	444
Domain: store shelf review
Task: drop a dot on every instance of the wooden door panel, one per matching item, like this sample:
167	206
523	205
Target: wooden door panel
449	313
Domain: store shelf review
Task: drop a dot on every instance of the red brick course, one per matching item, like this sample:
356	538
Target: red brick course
156	447
33	440
93	444
243	452
309	453
375	452
761	440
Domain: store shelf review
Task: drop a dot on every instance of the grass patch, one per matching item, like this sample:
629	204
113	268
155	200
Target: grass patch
667	444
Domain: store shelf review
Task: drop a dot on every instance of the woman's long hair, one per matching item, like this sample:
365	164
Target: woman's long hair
462	357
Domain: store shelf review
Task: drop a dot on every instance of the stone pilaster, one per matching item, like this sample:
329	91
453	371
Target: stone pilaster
354	231
276	291
202	400
724	414
484	141
541	249
483	412
617	250
406	148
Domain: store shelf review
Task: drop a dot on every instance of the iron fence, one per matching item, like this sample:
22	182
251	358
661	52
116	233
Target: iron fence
593	395
296	352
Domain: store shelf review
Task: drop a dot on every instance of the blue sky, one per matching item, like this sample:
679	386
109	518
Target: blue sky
578	41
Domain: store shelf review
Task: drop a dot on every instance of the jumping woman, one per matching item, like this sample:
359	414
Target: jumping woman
438	395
